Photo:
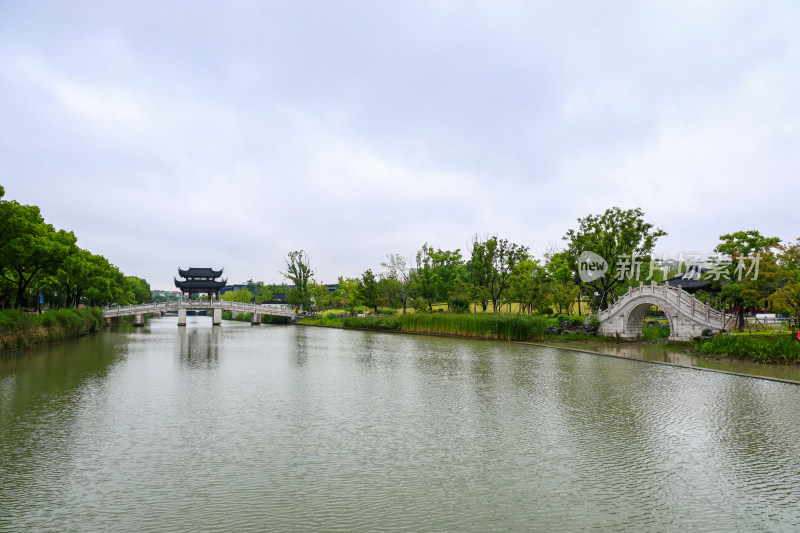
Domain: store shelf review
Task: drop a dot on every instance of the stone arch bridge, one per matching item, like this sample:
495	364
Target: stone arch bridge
688	317
214	308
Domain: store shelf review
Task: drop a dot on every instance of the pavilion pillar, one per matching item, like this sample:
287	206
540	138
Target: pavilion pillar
217	316
181	316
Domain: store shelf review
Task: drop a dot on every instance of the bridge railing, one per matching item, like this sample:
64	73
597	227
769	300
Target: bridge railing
686	303
118	310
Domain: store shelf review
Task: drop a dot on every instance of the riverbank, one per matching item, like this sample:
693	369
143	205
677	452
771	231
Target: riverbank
480	326
21	330
525	328
245	317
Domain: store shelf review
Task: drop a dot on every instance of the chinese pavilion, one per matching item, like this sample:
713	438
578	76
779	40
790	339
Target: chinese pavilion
200	280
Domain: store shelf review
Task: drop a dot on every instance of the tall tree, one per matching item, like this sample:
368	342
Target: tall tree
299	272
491	264
39	250
321	297
617	236
397	268
742	286
528	285
424	287
786	297
369	291
348	293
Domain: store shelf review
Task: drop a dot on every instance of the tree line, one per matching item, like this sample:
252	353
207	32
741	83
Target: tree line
494	272
37	259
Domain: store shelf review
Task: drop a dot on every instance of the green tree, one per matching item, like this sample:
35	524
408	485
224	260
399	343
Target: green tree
617	236
460	296
240	295
740	288
390	290
423	286
265	293
369	291
36	249
140	289
786	298
398	270
348	293
528	285
321	297
299	272
491	265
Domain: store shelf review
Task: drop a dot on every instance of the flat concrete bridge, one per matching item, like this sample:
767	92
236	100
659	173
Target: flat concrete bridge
215	309
688	317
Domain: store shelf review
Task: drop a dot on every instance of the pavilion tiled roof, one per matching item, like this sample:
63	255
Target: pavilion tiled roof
200	272
200	284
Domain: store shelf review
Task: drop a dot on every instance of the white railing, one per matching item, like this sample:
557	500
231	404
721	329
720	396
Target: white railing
685	303
267	309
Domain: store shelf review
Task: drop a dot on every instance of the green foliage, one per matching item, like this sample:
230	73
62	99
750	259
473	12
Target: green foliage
241	295
299	272
741	290
35	258
491	265
512	327
460	297
576	320
786	298
320	297
22	329
776	349
397	270
368	290
348	293
651	333
615	234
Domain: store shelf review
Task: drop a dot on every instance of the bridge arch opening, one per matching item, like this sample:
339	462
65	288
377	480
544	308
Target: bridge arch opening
647	320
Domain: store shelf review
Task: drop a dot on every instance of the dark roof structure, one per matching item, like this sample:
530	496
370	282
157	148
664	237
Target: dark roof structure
200	285
200	273
200	280
689	284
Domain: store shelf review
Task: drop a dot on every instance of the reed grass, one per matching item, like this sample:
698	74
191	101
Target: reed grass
511	327
771	349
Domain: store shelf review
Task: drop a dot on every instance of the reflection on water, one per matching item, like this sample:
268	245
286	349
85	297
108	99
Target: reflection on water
281	428
199	347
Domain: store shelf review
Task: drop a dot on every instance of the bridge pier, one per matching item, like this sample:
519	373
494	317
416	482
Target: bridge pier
217	316
181	316
255	319
138	319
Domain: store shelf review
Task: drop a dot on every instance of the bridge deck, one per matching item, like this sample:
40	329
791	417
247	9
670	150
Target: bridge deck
196	305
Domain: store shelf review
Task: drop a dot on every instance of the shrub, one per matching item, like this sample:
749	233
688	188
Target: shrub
651	333
576	320
773	349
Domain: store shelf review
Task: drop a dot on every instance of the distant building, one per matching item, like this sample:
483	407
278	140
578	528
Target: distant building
165	293
200	281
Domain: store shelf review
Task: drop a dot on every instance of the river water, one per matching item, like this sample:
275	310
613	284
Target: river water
290	428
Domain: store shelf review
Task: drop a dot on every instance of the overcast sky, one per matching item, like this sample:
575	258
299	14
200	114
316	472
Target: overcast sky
227	134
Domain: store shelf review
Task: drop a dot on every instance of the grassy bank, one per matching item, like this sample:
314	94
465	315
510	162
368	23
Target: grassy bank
245	317
482	326
764	349
22	330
